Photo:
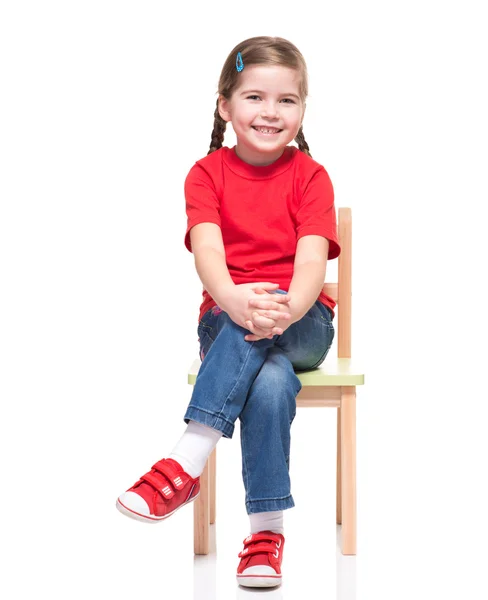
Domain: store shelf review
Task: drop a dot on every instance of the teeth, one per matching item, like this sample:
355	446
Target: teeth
263	130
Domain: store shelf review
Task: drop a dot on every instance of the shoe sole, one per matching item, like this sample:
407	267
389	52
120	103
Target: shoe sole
144	518
258	581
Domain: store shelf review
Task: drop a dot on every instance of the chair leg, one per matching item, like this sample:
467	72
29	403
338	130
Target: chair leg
213	484
348	466
201	510
338	472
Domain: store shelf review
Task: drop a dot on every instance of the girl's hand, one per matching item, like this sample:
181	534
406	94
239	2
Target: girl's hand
265	317
236	304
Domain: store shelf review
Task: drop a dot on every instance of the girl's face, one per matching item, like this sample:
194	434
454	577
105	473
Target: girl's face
267	97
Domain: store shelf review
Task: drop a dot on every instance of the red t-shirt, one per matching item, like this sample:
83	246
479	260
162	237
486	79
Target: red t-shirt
262	213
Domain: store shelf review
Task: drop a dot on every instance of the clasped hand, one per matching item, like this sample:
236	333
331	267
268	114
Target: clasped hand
252	307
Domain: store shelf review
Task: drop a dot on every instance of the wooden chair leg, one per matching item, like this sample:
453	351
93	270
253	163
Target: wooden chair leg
348	466
201	514
338	472
213	484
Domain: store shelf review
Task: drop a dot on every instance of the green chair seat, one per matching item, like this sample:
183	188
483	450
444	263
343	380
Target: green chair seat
332	372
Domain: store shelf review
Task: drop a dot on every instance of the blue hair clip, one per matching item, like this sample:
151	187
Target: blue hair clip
239	63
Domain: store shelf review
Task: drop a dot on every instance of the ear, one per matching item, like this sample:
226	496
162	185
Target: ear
224	108
303	114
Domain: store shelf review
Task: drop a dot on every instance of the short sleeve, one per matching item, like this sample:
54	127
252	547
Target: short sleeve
202	204
316	214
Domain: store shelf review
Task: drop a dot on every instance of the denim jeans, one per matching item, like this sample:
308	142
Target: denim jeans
257	383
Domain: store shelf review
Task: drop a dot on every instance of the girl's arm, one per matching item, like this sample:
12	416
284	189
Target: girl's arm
308	274
308	280
209	252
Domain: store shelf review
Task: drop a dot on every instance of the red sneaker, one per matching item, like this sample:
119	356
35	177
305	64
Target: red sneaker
261	558
159	493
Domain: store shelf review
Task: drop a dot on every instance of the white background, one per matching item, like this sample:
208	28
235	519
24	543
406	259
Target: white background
105	106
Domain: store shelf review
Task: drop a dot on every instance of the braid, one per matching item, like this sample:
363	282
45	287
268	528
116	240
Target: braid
218	131
302	144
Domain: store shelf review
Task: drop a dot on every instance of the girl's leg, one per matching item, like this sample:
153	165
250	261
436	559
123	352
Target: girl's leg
265	435
267	521
235	372
226	374
271	407
194	447
230	365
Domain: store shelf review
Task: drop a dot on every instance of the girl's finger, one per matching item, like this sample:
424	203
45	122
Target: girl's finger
274	314
252	338
262	321
258	331
255	338
250	326
266	327
255	330
265	304
264	287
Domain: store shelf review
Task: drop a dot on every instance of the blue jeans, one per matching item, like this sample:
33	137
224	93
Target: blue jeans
256	382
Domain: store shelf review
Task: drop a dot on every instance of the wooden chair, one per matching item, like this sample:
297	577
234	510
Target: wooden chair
332	384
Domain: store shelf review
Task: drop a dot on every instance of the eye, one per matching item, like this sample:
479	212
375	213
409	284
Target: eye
256	96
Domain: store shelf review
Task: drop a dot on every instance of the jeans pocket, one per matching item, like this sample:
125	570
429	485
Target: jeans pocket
206	324
326	314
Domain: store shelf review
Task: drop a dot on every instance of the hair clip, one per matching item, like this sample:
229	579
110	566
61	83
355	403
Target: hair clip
239	63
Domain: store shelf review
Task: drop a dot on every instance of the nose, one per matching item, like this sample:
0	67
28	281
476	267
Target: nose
269	110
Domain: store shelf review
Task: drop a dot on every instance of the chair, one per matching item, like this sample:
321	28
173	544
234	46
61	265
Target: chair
332	384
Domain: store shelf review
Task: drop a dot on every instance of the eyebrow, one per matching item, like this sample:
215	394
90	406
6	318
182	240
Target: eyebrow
261	92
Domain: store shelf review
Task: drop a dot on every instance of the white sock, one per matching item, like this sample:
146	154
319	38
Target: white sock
194	447
267	521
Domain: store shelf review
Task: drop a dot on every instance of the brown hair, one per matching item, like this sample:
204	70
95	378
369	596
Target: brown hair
262	50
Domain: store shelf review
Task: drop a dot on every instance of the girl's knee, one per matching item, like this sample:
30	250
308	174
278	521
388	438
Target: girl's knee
278	388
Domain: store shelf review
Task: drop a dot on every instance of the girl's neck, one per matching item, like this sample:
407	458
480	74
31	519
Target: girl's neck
257	159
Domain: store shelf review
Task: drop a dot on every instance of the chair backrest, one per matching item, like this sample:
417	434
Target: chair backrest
341	290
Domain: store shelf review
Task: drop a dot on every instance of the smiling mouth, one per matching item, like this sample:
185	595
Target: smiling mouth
267	130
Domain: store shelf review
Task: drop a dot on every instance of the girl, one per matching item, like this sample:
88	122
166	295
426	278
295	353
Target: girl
261	226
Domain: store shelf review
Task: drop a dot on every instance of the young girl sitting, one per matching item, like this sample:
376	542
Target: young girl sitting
261	226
